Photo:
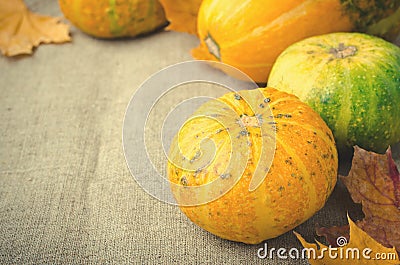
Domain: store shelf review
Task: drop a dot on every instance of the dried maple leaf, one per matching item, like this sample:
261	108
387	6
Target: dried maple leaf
182	14
361	249
374	181
21	30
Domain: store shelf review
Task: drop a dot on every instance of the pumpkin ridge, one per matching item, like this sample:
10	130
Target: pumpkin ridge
373	111
328	141
311	129
276	22
113	18
193	175
150	11
232	14
208	15
307	183
76	7
238	109
207	178
345	114
280	100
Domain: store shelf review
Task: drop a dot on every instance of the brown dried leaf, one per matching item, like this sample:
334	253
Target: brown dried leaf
21	30
333	233
351	252
374	181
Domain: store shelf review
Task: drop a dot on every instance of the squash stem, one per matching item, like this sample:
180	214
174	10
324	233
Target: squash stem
343	51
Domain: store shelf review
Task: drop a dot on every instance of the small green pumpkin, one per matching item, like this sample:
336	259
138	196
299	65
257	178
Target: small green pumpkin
352	80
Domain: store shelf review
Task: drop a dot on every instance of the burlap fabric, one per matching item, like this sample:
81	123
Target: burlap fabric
66	194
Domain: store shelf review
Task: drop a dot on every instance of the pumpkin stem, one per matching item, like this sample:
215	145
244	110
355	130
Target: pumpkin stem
343	51
212	46
250	121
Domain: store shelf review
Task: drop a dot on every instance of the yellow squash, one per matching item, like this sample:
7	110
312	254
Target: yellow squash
261	135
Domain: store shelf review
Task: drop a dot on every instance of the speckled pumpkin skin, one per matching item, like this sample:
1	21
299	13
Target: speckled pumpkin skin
301	177
114	18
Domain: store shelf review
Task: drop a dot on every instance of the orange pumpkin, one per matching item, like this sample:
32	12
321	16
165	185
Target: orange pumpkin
231	141
249	35
115	18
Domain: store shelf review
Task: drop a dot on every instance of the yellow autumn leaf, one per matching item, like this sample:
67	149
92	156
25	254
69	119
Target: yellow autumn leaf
182	14
21	30
361	249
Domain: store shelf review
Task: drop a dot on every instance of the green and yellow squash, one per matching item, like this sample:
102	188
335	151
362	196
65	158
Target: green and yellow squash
352	80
